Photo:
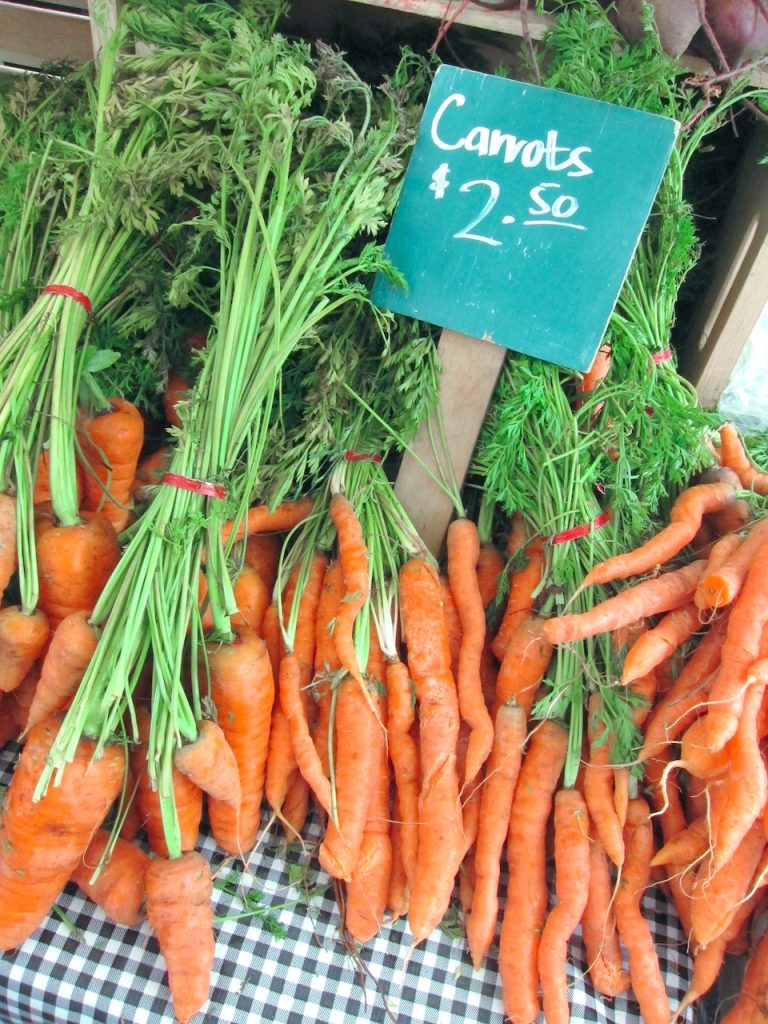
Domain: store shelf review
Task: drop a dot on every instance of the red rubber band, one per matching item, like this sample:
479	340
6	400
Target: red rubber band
187	483
361	457
662	357
576	532
71	293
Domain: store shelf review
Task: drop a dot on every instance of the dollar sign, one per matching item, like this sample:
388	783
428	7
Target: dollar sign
440	181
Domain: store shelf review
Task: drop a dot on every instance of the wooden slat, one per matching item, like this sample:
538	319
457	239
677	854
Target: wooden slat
470	370
103	16
508	22
32	35
739	290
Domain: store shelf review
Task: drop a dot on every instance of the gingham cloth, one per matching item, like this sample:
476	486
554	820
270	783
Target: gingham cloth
101	973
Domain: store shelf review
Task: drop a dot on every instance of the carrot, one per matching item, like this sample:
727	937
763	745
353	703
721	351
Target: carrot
720	585
187	797
452	622
745	789
368	888
731	519
210	763
651	597
593	377
151	470
741	648
399	887
73	564
8	553
281	763
686	847
9	730
655	646
522	589
598	783
295	807
716	894
22	639
750	1005
180	914
262	519
684	520
463	548
243	692
68	656
132	820
177	389
357	734
252	597
42	490
490	565
526	904
644	971
495	808
262	553
270	632
111	444
326	659
680	705
353	555
470	801
404	754
441	835
733	455
525	663
572	864
20	700
598	926
120	886
41	842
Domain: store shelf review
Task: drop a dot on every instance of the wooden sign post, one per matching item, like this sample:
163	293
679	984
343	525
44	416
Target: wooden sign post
519	215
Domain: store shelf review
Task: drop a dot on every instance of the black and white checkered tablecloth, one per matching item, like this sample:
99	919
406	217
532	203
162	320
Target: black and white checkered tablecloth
89	971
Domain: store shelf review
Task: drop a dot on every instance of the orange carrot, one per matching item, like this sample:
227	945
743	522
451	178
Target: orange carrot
404	753
42	489
281	762
731	519
270	632
598	926
495	808
22	639
399	887
262	553
187	797
593	377
111	444
686	847
8	555
656	645
180	914
20	700
522	588
353	555
745	789
598	783
243	692
210	763
151	470
741	648
262	519
644	971
295	808
176	390
749	1007
716	894
326	659
441	835
73	564
572	864
680	705
733	455
490	565
721	584
684	520
526	904
463	547
120	886
41	842
661	594
357	734
132	821
252	597
525	662
68	656
452	622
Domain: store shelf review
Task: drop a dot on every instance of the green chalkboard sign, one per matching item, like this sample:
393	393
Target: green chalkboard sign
520	211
